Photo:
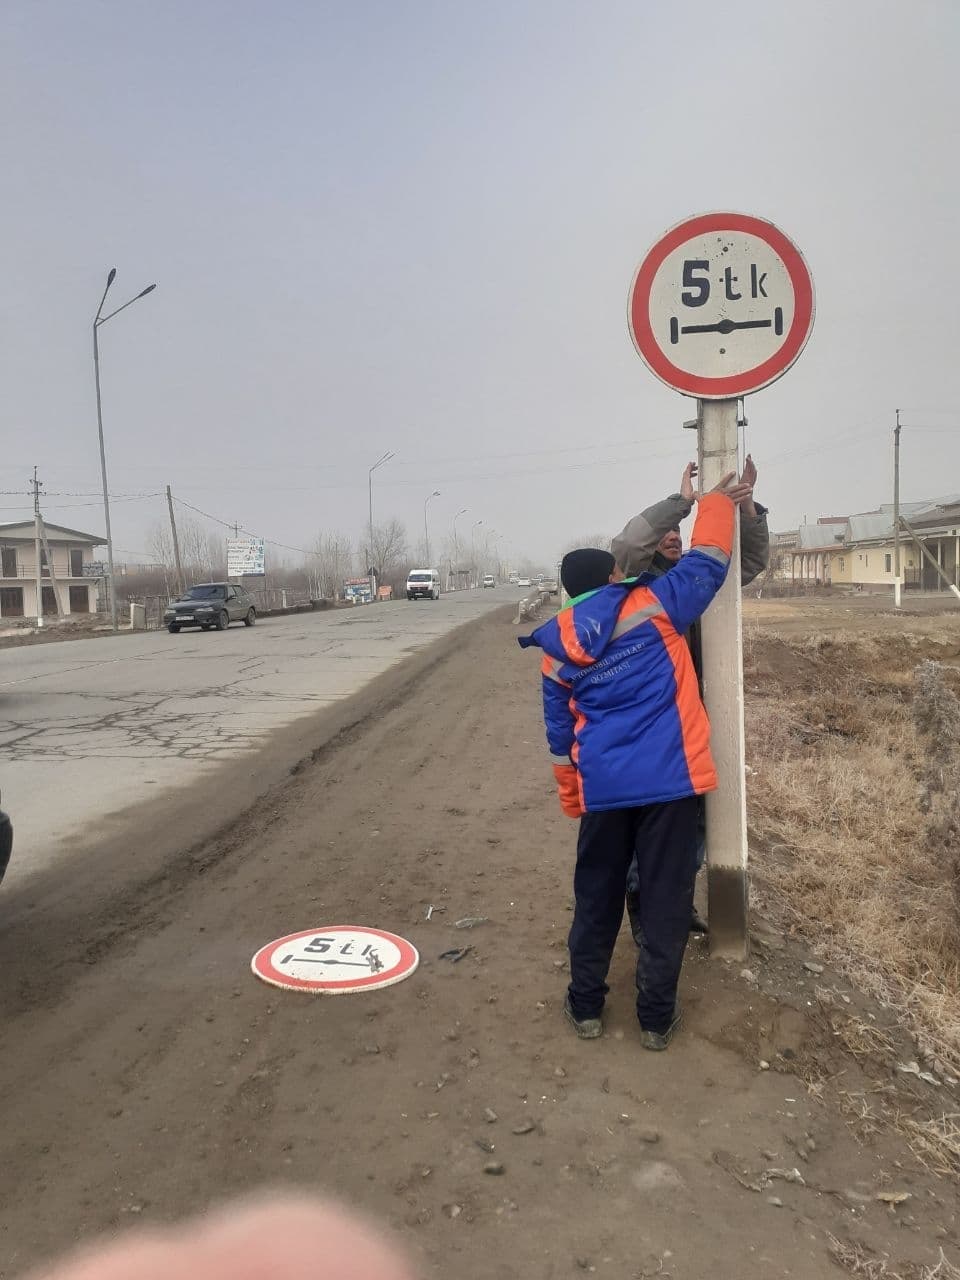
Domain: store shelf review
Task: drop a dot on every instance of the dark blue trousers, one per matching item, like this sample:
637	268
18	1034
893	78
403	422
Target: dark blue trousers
662	838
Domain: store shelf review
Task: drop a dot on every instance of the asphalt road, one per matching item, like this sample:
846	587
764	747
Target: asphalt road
90	728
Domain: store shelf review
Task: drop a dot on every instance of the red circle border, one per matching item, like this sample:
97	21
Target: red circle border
409	959
638	312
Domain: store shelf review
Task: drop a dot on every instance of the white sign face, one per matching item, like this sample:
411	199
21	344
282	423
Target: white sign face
721	306
336	959
245	557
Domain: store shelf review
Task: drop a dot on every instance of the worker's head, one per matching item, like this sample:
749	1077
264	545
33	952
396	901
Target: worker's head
587	569
670	545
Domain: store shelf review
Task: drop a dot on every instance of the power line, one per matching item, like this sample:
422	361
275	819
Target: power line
231	524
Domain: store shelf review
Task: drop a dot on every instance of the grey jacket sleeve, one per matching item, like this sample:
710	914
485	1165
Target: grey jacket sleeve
754	545
635	545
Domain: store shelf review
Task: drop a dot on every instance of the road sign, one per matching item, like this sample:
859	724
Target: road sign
336	959
721	306
245	557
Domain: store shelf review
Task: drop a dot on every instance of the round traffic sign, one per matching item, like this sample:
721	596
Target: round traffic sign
721	306
336	959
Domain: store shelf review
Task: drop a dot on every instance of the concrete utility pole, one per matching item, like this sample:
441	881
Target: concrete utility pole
181	585
36	541
896	512
48	552
722	632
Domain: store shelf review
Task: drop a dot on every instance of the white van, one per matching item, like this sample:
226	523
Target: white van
423	584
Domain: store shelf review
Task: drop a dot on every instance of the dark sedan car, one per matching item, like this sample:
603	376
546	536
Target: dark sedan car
211	606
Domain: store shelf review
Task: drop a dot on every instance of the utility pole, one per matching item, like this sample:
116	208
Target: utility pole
896	512
181	585
48	552
36	539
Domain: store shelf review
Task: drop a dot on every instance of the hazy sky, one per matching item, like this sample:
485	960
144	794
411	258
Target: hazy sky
379	224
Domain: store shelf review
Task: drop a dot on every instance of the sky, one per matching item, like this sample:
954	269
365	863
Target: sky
412	226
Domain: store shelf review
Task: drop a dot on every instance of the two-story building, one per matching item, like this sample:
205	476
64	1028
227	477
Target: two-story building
75	572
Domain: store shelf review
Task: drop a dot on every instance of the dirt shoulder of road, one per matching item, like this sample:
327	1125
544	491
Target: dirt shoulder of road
145	1072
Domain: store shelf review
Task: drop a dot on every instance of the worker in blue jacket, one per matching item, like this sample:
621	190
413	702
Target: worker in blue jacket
630	746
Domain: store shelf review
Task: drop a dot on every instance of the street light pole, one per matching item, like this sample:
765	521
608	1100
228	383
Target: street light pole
473	544
98	320
456	547
426	532
379	463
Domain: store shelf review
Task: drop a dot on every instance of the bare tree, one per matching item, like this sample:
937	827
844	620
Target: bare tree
389	551
204	554
332	562
160	543
600	540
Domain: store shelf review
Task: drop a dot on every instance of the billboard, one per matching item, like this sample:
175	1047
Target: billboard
358	591
245	557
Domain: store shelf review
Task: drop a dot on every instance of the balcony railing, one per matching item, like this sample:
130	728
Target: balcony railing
62	572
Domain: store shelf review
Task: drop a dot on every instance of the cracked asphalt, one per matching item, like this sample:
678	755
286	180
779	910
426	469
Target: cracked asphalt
89	729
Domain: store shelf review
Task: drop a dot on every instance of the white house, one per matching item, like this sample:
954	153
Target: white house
74	571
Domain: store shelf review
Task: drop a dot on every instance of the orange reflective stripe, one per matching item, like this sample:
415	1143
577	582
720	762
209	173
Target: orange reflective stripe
581	720
714	523
639	598
568	636
694	725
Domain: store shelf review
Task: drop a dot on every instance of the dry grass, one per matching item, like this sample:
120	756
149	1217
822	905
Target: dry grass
854	803
937	1141
861	1261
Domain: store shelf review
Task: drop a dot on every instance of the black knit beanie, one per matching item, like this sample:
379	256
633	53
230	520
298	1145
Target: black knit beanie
586	569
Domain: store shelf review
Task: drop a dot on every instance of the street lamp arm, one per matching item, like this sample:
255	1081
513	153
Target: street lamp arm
106	289
109	316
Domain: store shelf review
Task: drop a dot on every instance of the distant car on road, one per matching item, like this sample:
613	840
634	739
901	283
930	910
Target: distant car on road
212	606
489	580
6	842
523	582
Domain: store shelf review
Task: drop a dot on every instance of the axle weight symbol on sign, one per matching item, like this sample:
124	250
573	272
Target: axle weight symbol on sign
722	305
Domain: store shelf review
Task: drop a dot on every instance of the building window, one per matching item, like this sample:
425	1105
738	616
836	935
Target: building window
9	570
888	563
841	564
866	559
76	562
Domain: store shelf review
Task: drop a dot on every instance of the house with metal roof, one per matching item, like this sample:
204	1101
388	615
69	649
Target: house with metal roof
868	556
